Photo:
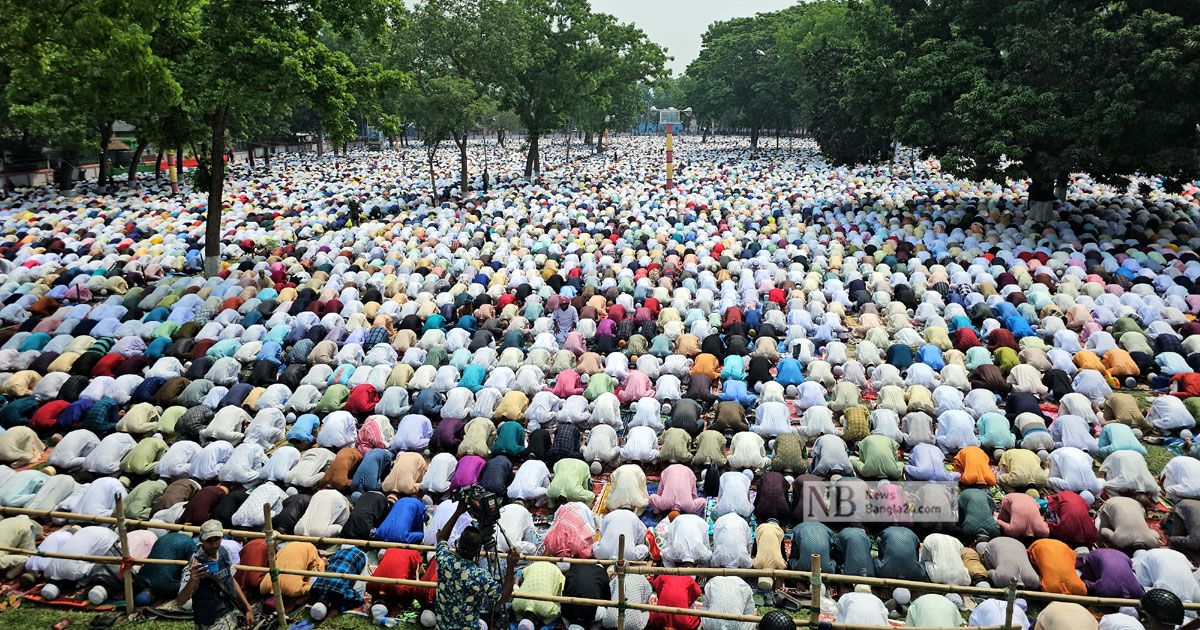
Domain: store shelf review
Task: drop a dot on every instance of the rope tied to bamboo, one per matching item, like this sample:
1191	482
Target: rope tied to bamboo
127	564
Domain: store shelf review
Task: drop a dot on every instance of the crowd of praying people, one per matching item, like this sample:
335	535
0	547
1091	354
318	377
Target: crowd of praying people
614	358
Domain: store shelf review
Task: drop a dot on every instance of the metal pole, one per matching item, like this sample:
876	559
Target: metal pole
670	156
280	608
126	568
621	582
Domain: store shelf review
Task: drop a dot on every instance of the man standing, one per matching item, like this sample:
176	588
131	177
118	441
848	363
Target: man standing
216	597
464	587
565	317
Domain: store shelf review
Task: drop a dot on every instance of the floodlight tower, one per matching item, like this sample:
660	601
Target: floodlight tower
669	117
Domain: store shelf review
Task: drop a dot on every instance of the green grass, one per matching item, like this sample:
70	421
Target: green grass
1156	458
347	622
40	617
37	617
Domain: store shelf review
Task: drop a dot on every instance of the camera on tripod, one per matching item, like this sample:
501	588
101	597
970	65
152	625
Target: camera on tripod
483	506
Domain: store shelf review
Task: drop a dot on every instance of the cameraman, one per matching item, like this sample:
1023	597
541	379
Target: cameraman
216	597
465	588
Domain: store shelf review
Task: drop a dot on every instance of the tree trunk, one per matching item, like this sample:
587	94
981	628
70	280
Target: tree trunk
267	157
320	142
1041	188
569	134
1061	184
776	138
158	160
136	160
250	155
433	191
587	139
106	133
754	138
464	172
216	190
600	141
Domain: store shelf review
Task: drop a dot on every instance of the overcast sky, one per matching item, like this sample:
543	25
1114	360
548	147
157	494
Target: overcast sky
678	24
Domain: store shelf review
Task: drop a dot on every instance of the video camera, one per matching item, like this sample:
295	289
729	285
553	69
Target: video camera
483	505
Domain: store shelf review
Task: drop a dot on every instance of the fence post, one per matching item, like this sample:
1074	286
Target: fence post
1010	599
280	607
814	584
126	567
621	582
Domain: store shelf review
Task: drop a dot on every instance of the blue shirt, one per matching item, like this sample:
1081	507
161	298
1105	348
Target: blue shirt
404	523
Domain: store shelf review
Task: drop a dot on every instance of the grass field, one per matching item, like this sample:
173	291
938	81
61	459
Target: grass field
36	617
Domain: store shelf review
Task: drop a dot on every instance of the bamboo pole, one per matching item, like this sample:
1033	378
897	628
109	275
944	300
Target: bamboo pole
123	537
814	584
785	574
320	541
621	582
1010	602
560	599
17	551
269	531
636	567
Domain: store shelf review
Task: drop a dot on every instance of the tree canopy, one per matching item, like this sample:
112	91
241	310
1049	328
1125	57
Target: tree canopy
995	88
203	74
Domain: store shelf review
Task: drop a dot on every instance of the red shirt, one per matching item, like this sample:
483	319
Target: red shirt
254	554
402	564
1071	524
107	365
1187	384
777	296
47	414
965	339
680	591
362	399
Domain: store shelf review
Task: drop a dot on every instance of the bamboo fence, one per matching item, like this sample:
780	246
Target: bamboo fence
622	568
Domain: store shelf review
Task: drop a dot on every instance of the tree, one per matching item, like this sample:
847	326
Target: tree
78	67
738	77
251	55
438	105
479	43
999	89
620	61
502	121
566	76
842	59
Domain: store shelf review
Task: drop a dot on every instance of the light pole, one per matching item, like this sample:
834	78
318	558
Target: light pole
670	117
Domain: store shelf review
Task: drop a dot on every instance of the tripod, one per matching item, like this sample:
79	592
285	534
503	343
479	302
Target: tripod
484	507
